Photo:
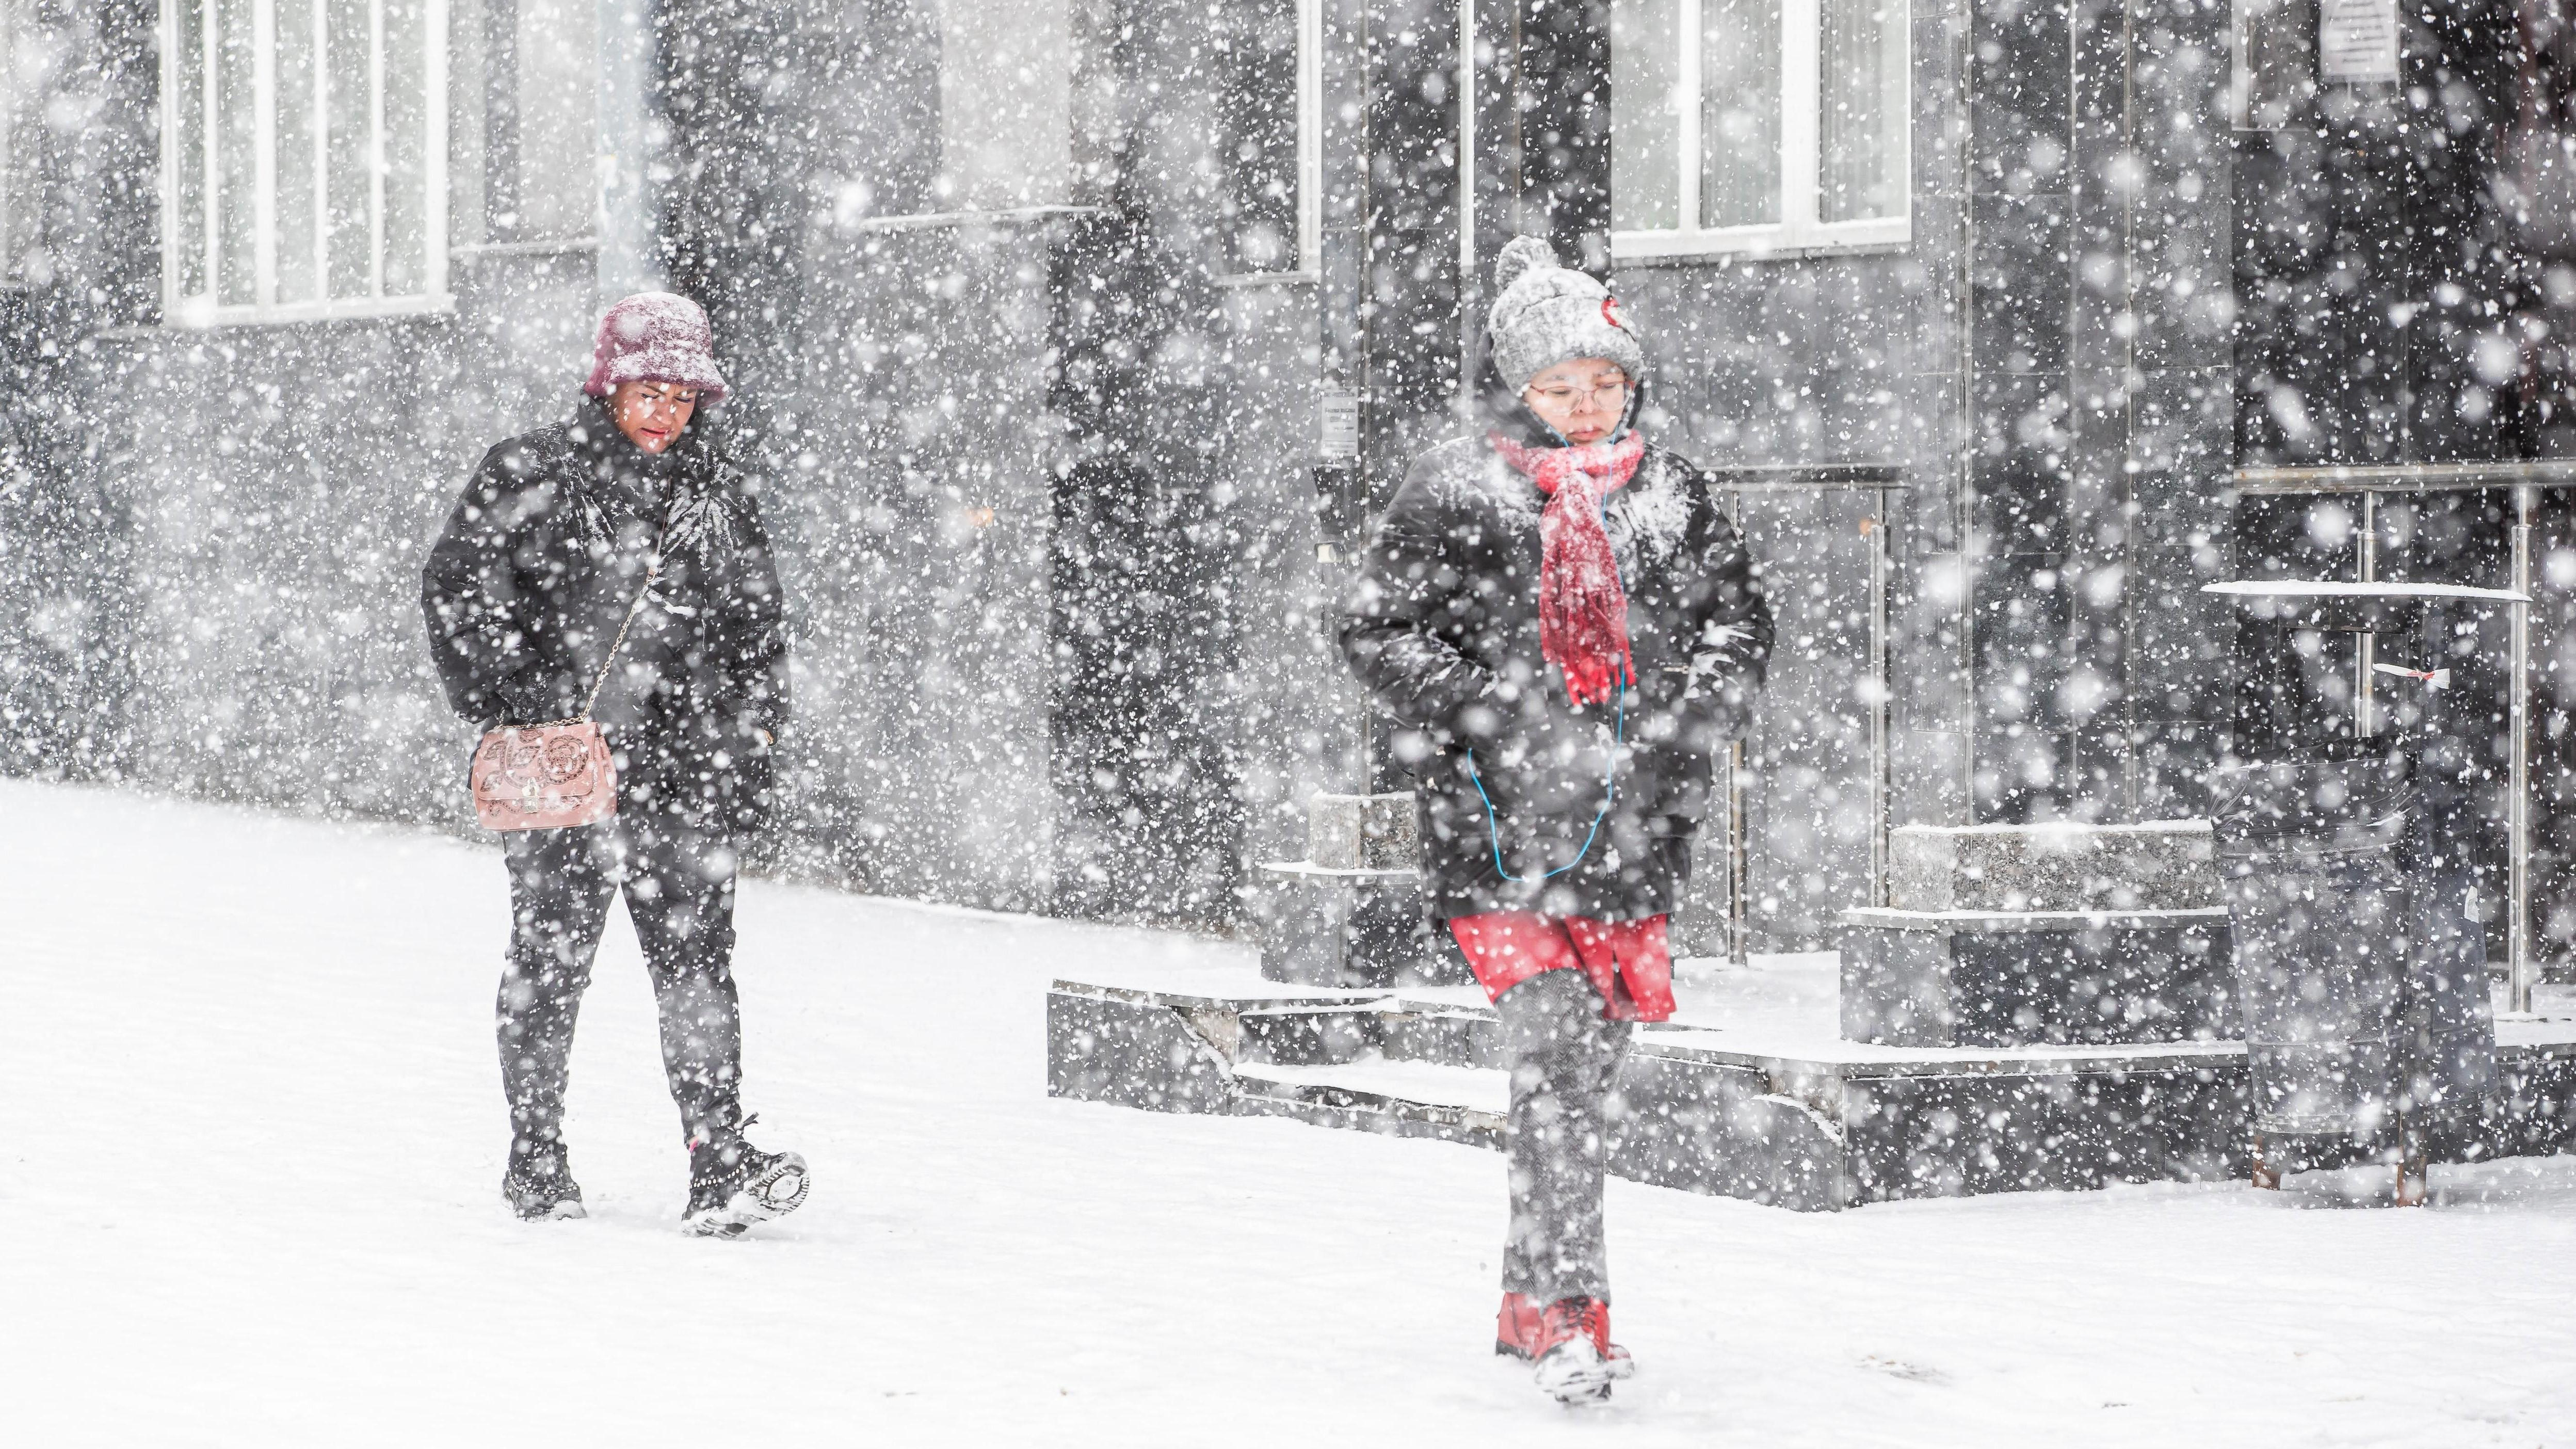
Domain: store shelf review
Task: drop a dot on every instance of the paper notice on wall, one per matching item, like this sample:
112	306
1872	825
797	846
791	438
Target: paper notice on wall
2357	40
1341	424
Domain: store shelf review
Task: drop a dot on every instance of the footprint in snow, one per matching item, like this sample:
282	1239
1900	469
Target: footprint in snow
1894	1368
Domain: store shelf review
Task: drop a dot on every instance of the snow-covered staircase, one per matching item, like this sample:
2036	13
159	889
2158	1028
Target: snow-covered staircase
1738	1105
1415	1069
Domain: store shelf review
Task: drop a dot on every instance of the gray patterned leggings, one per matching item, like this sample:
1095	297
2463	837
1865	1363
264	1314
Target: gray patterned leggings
1563	1060
679	885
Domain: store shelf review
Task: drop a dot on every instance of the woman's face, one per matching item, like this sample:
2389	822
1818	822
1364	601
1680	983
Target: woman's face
651	414
1583	399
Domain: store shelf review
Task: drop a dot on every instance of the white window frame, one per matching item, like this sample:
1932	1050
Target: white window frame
202	310
9	15
1310	137
16	30
1801	159
1308	264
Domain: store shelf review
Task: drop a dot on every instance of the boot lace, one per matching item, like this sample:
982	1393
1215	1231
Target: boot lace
1572	1318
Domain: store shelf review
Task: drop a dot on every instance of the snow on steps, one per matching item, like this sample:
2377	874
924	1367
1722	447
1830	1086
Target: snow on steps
1773	1114
1409	1099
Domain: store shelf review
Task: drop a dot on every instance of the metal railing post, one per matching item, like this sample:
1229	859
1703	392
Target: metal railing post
1739	856
1875	529
2366	658
2518	954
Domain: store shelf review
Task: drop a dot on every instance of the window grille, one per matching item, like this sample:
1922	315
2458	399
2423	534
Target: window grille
303	159
1758	125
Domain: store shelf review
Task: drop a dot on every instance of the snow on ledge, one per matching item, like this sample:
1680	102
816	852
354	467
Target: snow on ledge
2333	589
2064	827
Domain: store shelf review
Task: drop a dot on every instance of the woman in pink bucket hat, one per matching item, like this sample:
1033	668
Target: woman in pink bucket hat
612	567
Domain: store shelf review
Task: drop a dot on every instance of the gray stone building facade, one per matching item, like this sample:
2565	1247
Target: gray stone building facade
1046	315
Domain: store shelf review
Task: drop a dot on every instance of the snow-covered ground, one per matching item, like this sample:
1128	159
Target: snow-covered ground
248	1195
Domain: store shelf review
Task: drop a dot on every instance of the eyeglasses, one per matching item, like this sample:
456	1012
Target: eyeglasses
1611	394
675	399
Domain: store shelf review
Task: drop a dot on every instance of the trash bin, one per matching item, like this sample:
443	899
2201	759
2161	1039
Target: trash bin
2346	828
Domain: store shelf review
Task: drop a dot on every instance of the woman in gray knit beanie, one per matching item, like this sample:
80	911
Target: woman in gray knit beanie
1565	629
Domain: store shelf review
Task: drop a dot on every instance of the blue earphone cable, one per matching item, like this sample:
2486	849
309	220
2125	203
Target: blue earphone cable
1610	793
1618	738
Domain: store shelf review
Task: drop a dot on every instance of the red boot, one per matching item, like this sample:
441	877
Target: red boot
1571	1366
1518	1327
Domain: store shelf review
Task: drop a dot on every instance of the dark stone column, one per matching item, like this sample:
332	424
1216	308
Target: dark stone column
1928	616
1141	637
1391	290
69	605
1409	366
2102	304
1562	135
2395	306
2154	451
2020	267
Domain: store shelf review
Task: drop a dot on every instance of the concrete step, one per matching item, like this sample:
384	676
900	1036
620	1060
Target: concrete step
1391	1029
1774	1113
1372	1093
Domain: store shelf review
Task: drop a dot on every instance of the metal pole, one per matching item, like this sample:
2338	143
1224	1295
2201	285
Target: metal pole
1880	796
2365	712
2518	810
1739	922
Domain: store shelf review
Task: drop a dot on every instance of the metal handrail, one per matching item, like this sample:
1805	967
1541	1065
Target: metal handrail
2407	477
1755	476
2526	478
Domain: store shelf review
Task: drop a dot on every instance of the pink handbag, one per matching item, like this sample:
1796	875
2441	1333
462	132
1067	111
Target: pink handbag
544	777
559	775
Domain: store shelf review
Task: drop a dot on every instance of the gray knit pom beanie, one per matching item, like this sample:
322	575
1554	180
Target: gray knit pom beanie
1544	314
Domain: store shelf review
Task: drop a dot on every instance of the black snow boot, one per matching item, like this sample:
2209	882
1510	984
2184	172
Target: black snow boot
541	1189
733	1184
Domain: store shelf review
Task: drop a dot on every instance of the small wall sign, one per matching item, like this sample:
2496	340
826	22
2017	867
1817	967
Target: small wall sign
1340	418
2357	40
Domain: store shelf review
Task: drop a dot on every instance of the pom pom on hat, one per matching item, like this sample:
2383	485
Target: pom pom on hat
1520	254
1544	314
656	337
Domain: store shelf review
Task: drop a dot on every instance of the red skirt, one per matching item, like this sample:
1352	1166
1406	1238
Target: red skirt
1630	962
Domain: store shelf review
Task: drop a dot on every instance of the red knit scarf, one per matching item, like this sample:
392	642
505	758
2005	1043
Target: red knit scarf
1582	609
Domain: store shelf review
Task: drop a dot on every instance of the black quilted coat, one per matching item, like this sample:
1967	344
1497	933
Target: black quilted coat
525	589
1525	803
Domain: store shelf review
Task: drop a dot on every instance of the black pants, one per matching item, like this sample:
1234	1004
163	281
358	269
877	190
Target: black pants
678	881
1563	1059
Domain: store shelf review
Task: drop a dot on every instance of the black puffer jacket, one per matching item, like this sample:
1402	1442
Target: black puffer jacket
1442	627
525	590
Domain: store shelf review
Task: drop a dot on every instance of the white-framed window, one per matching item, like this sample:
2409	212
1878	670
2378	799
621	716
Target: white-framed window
1758	125
303	159
25	67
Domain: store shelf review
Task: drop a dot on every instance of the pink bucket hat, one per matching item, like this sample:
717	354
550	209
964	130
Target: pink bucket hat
656	337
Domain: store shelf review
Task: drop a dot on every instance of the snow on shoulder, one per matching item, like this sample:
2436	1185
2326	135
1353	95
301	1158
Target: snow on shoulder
1656	508
1464	472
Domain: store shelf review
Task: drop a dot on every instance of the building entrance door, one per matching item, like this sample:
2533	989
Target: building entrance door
1803	836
